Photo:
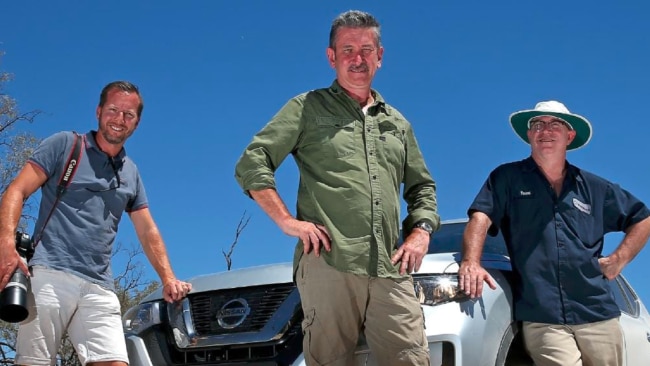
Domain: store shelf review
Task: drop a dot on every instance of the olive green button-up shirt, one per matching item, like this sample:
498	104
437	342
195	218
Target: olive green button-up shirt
352	166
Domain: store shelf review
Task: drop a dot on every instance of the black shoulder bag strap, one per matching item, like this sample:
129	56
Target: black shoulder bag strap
70	168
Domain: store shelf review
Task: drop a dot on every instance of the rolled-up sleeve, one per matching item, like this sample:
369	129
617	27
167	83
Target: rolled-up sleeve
255	169
419	187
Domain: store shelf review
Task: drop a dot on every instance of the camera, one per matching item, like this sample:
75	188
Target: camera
13	298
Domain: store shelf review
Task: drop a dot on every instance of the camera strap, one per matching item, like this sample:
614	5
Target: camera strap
70	168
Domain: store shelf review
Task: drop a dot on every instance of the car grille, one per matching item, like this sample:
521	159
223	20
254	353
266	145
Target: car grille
263	302
282	352
270	333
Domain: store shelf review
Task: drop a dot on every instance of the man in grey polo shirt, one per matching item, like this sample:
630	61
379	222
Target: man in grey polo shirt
72	282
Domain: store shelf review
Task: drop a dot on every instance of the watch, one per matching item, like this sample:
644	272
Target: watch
424	226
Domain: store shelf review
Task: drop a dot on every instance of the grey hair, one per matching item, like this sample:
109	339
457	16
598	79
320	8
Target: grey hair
355	19
123	86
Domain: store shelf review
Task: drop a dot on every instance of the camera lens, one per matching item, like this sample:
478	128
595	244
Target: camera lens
13	299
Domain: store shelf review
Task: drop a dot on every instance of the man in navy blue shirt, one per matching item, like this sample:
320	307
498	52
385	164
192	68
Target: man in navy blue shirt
553	216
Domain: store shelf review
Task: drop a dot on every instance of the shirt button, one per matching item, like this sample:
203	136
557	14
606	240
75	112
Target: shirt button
376	203
369	129
374	177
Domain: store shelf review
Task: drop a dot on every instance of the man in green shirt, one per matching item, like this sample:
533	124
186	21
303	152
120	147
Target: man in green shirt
354	151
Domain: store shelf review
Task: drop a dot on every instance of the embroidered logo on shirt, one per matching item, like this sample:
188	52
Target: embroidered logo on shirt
524	193
586	208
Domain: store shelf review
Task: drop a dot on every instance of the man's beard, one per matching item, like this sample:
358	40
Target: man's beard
113	139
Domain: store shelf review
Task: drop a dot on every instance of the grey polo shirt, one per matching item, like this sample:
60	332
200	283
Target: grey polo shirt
79	236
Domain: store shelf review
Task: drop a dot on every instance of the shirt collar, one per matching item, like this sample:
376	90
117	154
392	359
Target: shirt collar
92	143
336	88
530	165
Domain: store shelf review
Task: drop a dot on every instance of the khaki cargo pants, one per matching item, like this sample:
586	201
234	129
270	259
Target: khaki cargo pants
339	306
591	344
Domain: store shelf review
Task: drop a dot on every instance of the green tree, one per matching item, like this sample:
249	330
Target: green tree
131	285
8	334
15	147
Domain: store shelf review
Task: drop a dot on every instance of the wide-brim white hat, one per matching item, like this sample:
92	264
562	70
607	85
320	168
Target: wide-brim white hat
520	122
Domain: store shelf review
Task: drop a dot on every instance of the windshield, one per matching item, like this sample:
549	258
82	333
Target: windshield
449	239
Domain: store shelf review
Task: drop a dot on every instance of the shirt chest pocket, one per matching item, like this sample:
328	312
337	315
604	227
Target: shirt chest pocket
391	146
526	206
583	223
336	136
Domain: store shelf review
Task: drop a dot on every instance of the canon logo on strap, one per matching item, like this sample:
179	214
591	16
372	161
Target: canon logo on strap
71	166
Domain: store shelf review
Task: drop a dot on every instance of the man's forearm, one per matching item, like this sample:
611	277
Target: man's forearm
27	182
635	238
11	206
474	237
154	249
270	201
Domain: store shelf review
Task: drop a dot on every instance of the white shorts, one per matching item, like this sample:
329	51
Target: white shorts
59	301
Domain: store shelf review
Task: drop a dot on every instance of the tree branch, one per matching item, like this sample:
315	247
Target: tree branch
243	221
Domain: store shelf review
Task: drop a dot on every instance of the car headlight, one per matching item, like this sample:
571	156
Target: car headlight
438	289
141	317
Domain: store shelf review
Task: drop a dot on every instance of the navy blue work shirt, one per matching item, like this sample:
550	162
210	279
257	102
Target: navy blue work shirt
555	242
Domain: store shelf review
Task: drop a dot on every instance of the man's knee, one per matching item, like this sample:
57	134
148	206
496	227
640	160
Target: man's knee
412	357
328	341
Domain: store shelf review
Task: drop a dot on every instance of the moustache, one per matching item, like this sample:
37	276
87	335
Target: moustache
358	68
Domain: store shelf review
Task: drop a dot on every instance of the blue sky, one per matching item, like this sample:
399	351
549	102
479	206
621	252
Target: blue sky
212	73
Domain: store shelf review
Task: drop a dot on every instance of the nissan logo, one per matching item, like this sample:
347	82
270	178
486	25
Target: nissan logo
233	313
